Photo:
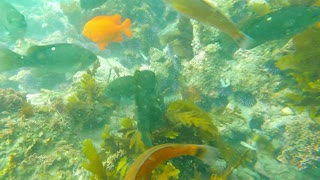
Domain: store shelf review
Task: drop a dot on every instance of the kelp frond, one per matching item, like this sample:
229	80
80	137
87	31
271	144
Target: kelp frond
186	113
94	165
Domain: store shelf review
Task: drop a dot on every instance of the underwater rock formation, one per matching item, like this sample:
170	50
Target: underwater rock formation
11	100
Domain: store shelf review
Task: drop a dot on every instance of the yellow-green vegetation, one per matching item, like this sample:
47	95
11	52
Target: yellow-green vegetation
303	65
95	164
38	140
88	104
185	122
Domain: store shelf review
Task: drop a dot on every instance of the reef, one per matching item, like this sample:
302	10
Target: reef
199	87
87	107
11	100
302	144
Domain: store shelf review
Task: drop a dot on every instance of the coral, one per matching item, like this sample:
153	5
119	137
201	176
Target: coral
302	144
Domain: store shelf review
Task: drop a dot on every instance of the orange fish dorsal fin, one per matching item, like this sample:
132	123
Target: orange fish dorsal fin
97	18
116	19
125	28
118	38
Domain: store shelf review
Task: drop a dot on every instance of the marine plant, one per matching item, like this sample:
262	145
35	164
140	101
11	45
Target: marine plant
303	65
11	100
95	164
184	122
87	104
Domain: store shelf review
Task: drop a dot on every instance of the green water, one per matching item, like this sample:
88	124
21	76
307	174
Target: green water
175	83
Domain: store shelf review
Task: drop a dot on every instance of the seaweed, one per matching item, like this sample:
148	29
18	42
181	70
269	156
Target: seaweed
150	104
94	165
303	65
186	113
26	110
184	122
10	165
88	102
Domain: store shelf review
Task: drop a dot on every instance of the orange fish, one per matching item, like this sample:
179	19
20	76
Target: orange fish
143	166
105	29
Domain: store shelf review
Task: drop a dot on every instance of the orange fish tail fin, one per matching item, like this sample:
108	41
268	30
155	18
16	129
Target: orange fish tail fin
246	42
126	27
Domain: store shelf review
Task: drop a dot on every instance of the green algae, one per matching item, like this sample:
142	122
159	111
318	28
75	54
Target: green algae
303	66
184	122
94	165
88	101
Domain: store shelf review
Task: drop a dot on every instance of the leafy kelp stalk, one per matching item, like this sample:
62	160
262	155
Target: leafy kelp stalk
95	164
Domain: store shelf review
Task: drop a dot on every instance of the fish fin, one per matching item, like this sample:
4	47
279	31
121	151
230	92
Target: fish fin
118	38
102	45
208	154
126	27
210	3
246	42
98	18
116	19
10	60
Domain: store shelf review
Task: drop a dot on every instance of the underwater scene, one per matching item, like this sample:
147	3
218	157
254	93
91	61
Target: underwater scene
160	89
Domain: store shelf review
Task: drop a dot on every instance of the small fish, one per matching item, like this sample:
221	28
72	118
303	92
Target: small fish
12	20
60	58
144	165
90	4
105	29
281	24
207	13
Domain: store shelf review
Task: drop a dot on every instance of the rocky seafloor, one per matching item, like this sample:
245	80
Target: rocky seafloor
248	98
